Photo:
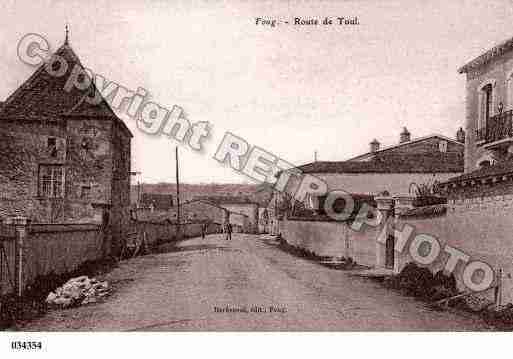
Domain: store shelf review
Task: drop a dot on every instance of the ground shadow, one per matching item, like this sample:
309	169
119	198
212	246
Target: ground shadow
179	246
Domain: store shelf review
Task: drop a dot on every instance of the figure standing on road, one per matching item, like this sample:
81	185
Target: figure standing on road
228	231
203	230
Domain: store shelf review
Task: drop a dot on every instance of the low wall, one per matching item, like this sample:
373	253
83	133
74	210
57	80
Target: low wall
60	248
481	228
331	238
321	238
51	248
158	232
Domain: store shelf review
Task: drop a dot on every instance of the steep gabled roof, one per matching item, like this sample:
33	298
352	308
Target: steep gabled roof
386	163
488	56
43	96
403	144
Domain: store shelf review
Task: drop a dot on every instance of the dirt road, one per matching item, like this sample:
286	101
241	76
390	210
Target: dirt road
245	284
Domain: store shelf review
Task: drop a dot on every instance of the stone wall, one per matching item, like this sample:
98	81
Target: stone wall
481	228
95	155
54	248
160	232
332	239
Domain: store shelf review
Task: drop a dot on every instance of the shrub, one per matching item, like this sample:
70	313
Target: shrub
416	281
444	286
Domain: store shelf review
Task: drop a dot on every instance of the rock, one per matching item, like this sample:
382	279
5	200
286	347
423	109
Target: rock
88	300
63	301
476	303
79	279
51	297
80	290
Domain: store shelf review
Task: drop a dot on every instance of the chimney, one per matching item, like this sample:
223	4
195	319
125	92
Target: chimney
460	135
374	145
405	136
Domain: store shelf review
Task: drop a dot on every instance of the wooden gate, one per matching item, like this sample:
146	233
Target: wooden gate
389	252
7	259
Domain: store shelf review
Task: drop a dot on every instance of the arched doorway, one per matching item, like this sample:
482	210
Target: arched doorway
389	252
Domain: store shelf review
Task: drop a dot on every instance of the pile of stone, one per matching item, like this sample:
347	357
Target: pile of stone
78	291
477	303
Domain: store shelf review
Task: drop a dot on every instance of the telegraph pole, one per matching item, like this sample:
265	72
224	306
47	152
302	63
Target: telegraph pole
177	195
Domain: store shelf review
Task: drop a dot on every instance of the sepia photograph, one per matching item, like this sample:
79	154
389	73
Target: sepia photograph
255	166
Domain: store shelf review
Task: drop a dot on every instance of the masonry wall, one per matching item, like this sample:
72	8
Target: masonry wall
480	227
160	232
332	239
23	145
120	196
89	164
83	149
55	248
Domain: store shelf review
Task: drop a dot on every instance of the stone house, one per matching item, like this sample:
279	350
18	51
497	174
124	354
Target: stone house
64	159
241	205
480	201
200	210
424	160
156	201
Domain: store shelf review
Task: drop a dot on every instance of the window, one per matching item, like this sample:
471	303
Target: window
85	192
486	105
51	145
51	181
442	146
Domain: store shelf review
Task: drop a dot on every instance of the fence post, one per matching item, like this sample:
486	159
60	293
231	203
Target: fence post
498	289
385	205
21	225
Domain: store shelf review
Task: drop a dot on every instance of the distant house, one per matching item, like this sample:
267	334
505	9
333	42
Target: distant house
156	201
64	159
424	160
238	204
200	210
264	195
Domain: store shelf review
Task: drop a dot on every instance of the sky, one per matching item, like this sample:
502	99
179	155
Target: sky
291	90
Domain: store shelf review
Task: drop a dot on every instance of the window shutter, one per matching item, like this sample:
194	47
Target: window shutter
481	109
509	93
495	100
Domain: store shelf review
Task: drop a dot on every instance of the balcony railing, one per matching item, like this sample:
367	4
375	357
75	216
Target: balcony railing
498	128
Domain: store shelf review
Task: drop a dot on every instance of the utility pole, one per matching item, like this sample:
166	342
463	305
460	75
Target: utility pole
177	195
315	156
